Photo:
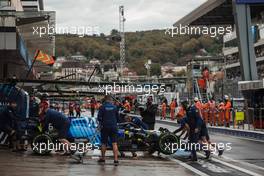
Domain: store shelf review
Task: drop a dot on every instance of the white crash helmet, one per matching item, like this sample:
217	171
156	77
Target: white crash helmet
196	99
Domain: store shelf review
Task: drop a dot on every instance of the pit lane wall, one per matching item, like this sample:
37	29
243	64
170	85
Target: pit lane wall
258	135
243	133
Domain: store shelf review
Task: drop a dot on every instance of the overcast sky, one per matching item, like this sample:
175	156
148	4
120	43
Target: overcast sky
139	14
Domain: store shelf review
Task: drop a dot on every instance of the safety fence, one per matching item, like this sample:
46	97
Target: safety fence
245	119
249	119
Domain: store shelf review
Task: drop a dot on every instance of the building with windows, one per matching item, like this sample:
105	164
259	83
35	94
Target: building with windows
243	48
79	71
171	70
231	53
19	38
32	5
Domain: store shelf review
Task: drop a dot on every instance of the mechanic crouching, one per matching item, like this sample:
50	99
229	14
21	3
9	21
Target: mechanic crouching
8	124
59	121
108	116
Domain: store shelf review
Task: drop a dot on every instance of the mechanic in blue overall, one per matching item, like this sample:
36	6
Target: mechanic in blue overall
108	116
205	139
194	122
58	121
8	123
184	128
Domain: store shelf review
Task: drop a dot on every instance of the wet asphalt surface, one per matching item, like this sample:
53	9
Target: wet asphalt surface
245	158
244	155
31	165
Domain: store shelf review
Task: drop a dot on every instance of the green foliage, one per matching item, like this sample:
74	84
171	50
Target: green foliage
140	46
155	69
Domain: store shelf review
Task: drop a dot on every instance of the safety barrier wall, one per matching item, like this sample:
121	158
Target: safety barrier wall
250	119
246	119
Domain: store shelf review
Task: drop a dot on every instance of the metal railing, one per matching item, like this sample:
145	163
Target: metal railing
247	119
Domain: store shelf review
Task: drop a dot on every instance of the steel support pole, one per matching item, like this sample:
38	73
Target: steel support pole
245	40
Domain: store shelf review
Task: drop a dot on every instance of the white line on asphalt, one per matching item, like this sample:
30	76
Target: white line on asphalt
242	162
196	171
235	167
249	139
217	133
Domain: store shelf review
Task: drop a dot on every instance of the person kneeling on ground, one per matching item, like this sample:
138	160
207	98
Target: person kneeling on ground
184	128
108	116
59	121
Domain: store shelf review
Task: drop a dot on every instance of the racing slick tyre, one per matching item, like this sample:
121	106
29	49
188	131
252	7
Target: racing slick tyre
151	150
41	144
152	140
168	143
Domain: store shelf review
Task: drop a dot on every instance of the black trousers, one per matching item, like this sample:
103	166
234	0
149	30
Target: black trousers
151	126
92	111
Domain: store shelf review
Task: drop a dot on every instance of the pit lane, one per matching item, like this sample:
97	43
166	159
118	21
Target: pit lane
245	158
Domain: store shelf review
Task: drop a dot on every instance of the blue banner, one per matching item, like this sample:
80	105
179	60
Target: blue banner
249	1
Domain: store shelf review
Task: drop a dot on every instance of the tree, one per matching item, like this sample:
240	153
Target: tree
191	46
102	35
155	69
140	46
114	32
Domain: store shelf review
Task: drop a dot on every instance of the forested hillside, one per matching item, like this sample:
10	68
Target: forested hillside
140	46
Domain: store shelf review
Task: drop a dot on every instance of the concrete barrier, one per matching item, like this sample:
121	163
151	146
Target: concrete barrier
250	134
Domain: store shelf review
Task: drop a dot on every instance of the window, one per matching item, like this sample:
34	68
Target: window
5	3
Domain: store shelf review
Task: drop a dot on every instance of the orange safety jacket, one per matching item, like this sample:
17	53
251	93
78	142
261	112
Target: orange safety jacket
163	109
173	105
227	108
199	106
127	106
181	112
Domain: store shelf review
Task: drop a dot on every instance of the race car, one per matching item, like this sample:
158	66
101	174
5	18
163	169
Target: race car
82	130
131	138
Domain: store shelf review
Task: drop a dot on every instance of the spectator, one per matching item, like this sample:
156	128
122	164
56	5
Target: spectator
71	108
93	106
78	110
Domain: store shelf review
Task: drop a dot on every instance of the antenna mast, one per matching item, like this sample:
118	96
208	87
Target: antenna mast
122	42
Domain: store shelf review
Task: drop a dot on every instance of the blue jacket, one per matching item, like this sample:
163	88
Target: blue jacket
193	118
56	118
108	115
